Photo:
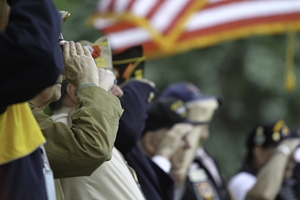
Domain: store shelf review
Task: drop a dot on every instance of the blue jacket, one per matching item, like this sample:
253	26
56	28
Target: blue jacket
135	104
155	183
30	58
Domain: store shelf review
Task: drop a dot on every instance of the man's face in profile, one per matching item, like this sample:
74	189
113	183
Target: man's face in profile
52	93
179	156
56	89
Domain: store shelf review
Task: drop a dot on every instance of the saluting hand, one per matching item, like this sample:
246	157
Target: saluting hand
171	141
106	79
80	67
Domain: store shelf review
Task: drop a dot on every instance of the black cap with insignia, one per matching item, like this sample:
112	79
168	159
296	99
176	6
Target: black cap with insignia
129	64
267	135
166	112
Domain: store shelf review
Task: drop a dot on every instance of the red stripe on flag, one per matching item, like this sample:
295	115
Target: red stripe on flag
123	25
149	46
118	27
111	5
239	24
182	12
129	6
152	46
154	9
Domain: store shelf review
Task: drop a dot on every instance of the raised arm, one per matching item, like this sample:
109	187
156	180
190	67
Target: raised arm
270	177
79	150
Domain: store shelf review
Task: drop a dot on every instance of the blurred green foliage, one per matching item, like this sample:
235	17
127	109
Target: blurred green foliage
247	73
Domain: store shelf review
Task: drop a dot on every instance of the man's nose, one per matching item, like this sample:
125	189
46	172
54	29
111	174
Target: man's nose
187	144
117	91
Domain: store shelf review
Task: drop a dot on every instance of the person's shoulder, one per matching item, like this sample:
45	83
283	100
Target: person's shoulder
240	178
240	184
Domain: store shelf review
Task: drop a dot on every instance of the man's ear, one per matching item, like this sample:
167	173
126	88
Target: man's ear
150	142
258	154
72	92
256	151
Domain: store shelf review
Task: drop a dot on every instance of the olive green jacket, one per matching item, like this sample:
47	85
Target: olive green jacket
81	149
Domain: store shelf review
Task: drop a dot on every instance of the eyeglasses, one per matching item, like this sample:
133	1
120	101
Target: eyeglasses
61	40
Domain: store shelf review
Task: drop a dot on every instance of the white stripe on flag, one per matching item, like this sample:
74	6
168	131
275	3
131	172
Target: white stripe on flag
167	13
203	19
143	7
129	37
239	11
121	5
100	23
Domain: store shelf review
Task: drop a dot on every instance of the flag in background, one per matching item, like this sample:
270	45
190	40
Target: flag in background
168	27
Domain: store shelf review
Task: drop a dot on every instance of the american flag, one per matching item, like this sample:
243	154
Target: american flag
167	27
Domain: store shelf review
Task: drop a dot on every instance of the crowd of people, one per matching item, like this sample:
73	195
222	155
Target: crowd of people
112	134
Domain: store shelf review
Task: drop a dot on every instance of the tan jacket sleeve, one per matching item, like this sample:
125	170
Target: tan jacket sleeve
79	150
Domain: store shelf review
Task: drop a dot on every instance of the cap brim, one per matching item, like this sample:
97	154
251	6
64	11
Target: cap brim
196	123
219	99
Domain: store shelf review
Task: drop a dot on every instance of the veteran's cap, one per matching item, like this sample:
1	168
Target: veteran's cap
100	51
187	91
166	112
266	135
129	64
64	16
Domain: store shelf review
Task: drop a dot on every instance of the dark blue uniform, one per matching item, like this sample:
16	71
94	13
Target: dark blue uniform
217	187
23	179
155	183
30	61
132	122
296	177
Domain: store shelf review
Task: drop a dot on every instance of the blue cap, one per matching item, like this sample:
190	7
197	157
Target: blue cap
186	92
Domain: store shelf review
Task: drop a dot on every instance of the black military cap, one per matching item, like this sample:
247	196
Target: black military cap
129	64
268	135
166	112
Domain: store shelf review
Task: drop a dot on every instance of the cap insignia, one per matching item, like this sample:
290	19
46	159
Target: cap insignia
276	136
179	108
259	137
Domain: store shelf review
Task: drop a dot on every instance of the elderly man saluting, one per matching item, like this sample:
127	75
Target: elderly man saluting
79	150
82	148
